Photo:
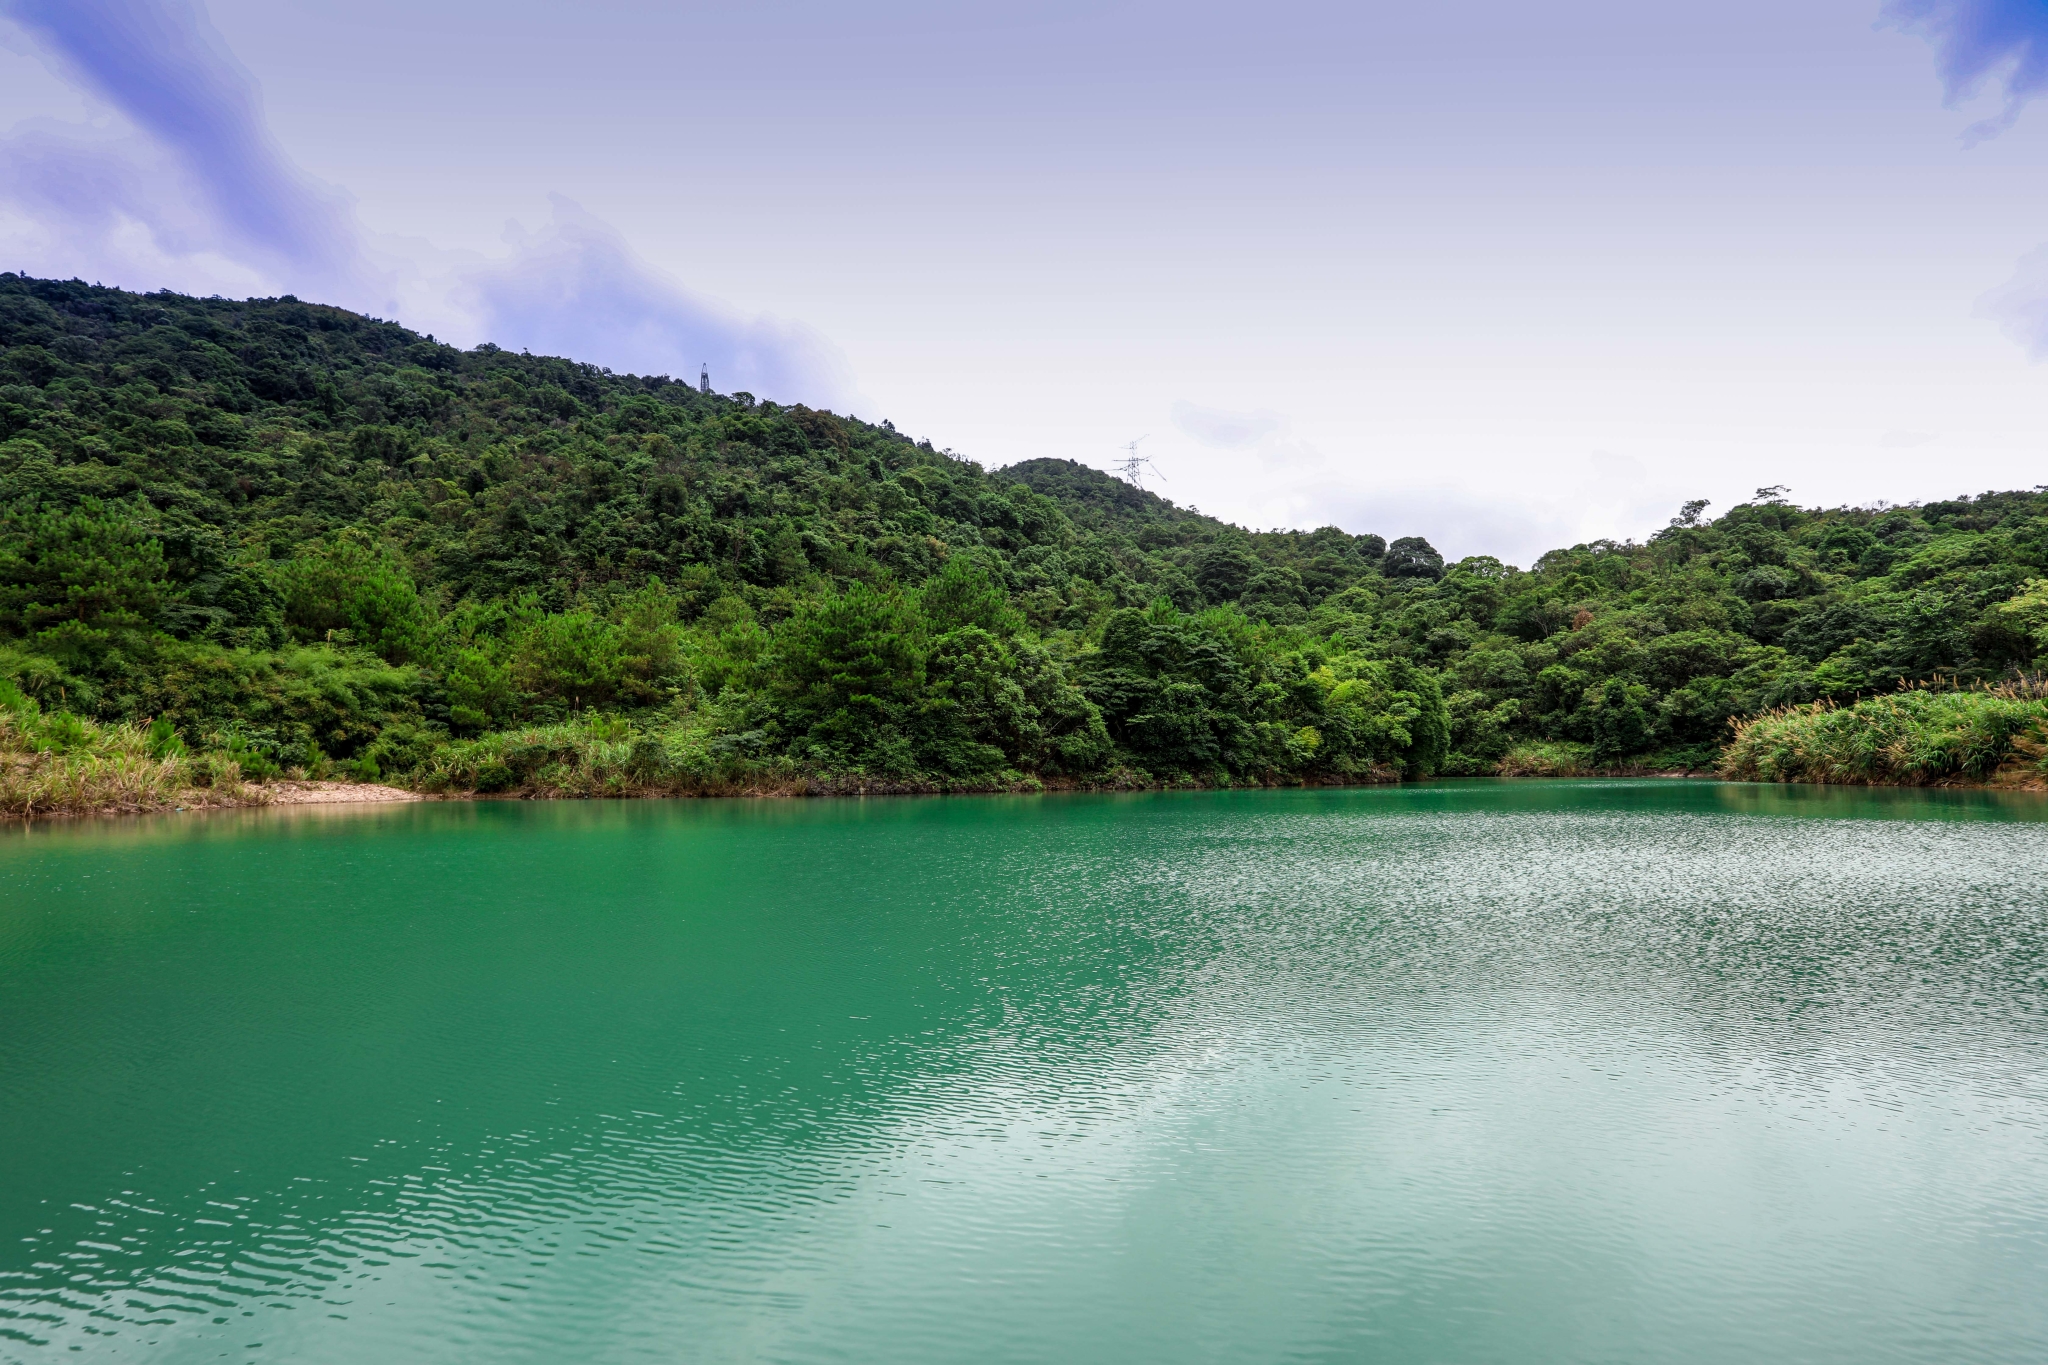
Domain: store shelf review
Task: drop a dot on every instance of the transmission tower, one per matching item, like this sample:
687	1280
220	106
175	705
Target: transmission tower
704	380
1131	468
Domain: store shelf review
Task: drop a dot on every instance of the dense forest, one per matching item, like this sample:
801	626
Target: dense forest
296	539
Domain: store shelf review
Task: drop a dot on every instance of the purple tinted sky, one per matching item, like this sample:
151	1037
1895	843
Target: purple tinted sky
1507	276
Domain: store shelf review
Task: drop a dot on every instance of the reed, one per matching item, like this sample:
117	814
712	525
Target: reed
1927	735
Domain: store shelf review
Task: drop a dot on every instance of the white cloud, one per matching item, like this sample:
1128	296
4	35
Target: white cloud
1266	438
1225	430
575	287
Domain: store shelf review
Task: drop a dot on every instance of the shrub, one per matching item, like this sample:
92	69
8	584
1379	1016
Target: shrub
1916	737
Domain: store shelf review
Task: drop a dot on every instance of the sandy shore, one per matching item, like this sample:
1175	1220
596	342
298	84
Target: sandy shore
333	793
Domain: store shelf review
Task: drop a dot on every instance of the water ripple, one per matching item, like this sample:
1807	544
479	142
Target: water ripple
1603	1072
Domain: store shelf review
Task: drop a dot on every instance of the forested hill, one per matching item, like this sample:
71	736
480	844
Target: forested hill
309	539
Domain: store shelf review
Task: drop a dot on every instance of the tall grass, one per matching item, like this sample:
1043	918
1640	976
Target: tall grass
1916	737
62	764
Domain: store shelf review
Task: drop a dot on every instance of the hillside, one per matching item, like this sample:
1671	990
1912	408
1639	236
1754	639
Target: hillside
303	539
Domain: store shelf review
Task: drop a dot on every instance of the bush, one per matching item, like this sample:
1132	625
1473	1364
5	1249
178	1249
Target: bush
293	703
1912	738
604	756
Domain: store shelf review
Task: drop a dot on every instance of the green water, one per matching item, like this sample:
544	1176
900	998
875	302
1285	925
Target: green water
1625	1072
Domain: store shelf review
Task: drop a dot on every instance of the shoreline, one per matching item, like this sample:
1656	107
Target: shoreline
250	796
299	793
303	793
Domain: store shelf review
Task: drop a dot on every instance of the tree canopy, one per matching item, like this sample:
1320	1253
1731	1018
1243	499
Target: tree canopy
343	543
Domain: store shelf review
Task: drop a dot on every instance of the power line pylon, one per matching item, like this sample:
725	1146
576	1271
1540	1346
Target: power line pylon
1131	468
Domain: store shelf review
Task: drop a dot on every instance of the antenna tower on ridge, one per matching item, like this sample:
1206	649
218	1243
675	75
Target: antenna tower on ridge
1131	468
704	380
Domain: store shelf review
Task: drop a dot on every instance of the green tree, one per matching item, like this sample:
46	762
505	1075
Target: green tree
99	565
847	668
962	593
351	583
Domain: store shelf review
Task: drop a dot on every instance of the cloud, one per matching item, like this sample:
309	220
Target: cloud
165	69
575	287
1262	435
2020	305
1982	42
2001	43
1224	430
1904	440
1460	521
185	187
73	202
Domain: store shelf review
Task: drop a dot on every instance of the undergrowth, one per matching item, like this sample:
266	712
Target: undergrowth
1921	736
62	764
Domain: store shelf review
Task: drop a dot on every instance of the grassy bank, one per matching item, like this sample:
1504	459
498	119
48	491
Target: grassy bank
1919	737
61	764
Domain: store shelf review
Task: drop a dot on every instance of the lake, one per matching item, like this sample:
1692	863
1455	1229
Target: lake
1482	1071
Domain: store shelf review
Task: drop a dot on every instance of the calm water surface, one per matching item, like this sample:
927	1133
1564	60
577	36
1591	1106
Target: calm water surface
1468	1072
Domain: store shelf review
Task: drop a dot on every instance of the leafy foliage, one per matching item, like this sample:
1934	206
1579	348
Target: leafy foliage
304	537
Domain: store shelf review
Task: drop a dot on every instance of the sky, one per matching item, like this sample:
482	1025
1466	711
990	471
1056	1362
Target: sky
1510	277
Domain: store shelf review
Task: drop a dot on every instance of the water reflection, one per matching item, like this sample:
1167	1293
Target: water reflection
1472	1071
